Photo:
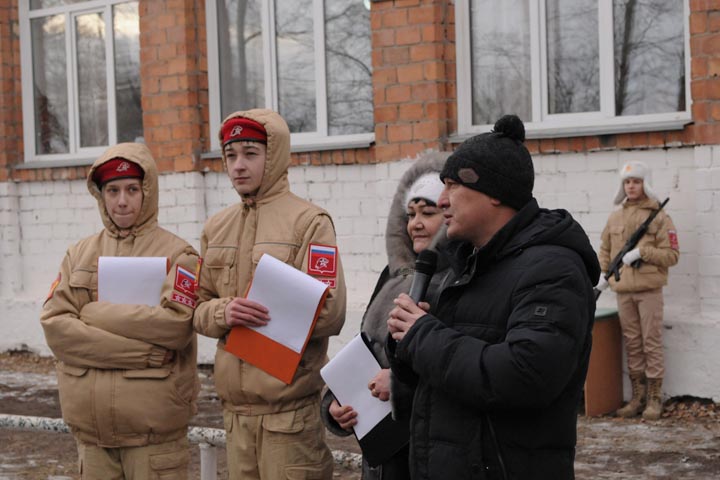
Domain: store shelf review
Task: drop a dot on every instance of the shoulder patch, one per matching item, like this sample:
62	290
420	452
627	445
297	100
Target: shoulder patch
322	260
185	282
672	235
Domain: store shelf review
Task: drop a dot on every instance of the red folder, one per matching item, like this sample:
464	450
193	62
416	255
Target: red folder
268	355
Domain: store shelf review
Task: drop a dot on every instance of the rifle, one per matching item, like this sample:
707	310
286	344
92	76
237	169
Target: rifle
614	269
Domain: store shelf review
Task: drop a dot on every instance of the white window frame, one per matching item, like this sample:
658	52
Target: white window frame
77	155
543	124
300	142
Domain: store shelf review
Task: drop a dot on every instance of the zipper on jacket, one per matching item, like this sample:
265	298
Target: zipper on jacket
498	453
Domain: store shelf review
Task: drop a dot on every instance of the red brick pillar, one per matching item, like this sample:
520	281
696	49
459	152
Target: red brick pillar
10	89
173	75
413	76
705	69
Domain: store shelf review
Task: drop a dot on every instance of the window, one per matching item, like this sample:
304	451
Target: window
573	67
81	77
307	59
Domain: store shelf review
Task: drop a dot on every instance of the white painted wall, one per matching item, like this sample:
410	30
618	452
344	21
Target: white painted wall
39	220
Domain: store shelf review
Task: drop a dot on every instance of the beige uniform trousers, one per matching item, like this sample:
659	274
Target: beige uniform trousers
641	318
278	446
163	461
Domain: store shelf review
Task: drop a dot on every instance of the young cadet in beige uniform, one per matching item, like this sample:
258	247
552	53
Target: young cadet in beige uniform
126	373
639	290
273	430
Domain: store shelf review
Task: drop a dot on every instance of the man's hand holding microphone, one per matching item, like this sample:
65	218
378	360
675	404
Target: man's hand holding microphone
409	307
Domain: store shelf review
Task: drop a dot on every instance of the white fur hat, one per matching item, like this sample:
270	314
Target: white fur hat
639	170
427	186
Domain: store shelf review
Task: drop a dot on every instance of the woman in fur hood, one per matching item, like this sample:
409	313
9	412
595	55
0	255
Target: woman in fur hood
414	224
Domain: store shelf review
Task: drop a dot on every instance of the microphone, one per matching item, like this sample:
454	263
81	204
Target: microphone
425	266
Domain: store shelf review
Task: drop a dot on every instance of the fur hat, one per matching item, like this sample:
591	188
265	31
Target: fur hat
426	187
495	163
639	170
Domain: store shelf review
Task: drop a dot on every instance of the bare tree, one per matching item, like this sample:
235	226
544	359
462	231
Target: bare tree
649	56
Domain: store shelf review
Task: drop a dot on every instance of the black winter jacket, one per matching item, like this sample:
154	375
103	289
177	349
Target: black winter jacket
501	361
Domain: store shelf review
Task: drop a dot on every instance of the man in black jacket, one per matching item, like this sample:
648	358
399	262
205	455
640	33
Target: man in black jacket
500	361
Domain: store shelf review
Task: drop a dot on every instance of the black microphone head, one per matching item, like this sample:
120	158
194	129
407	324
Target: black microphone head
426	262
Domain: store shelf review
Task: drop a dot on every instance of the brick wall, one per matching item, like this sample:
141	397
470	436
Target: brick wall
705	49
413	84
10	98
707	214
10	254
42	211
173	73
705	93
40	219
413	76
10	150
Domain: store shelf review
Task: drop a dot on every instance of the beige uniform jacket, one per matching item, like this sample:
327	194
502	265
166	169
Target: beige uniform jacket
658	247
114	392
283	225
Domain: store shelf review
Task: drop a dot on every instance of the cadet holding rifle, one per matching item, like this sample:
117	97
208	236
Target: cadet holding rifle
646	251
631	245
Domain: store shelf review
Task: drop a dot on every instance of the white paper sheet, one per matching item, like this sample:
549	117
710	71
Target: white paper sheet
348	375
131	280
292	298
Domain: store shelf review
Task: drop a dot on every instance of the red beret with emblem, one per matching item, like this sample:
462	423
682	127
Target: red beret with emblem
116	169
241	128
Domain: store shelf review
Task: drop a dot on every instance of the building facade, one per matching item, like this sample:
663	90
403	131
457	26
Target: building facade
366	86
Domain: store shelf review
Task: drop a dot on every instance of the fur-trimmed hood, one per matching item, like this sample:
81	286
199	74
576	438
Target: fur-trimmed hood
401	257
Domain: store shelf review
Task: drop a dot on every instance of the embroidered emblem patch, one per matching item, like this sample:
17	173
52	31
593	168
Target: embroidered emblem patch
672	235
468	175
123	167
54	286
322	260
237	130
185	282
176	297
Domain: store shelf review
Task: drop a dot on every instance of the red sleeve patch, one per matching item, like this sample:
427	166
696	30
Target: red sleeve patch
322	260
672	235
185	282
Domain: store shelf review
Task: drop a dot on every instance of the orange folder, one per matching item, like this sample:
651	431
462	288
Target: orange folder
265	353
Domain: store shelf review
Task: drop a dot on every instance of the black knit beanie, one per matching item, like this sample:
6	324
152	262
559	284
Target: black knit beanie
495	163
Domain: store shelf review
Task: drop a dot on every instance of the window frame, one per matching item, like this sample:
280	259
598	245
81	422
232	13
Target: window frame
300	142
77	155
543	124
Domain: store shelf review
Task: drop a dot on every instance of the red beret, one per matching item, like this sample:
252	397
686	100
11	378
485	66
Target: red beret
115	169
241	128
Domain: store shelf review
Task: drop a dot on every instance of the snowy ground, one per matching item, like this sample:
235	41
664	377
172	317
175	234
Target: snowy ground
683	445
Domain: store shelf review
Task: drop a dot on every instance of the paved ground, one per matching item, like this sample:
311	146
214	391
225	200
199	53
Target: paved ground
683	445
